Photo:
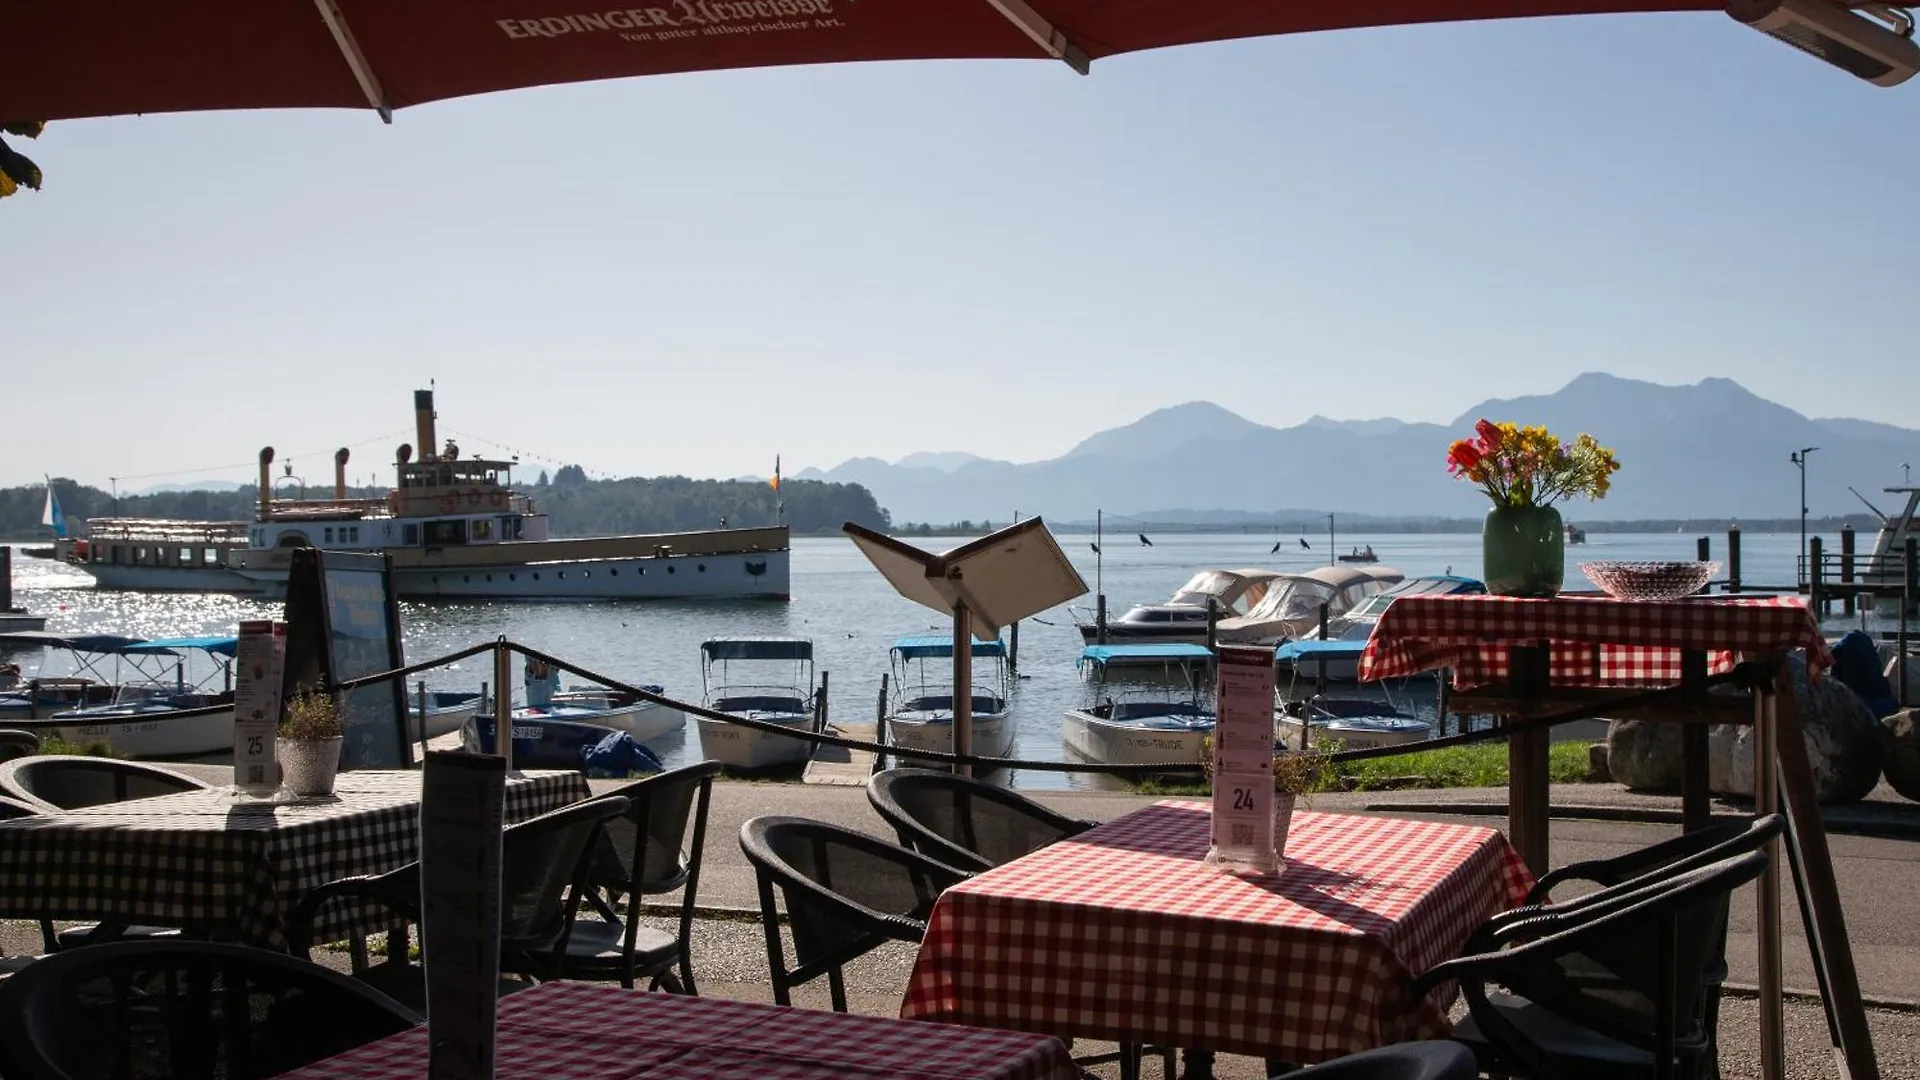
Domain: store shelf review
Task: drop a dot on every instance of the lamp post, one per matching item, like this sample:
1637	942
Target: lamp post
1799	459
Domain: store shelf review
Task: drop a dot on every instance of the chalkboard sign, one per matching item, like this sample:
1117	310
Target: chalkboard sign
343	622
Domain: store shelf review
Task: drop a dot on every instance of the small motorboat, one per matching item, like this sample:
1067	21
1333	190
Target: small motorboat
1147	705
613	710
1339	660
1353	723
921	715
551	743
142	721
769	679
1360	555
1291	609
1183	618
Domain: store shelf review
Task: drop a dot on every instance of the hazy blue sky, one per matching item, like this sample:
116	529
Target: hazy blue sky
693	273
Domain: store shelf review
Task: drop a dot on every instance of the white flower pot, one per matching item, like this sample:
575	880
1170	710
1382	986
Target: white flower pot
307	766
1282	817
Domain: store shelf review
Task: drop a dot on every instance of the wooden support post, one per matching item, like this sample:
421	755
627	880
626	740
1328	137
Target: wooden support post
1703	550
1846	570
880	723
1527	793
1100	619
821	702
1696	800
1816	578
1733	559
1766	800
1827	933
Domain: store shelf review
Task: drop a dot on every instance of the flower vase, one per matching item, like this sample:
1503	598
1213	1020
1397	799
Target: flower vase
308	766
1282	817
1523	551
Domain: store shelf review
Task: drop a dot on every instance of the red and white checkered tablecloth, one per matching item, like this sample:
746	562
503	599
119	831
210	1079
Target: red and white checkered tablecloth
1124	932
584	1031
1594	641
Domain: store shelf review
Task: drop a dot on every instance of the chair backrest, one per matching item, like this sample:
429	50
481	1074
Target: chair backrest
844	890
153	1009
648	850
15	743
962	821
1701	847
543	860
71	782
1620	936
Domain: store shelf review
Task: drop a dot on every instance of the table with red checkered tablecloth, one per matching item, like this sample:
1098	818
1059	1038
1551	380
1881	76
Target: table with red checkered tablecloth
1124	932
584	1031
1592	641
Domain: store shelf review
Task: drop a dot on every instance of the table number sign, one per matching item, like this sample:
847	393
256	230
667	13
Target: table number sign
256	706
1243	761
462	812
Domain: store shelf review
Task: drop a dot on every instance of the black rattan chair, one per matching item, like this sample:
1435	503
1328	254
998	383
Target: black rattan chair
1405	1061
168	1010
1605	987
642	856
55	782
846	894
543	871
965	822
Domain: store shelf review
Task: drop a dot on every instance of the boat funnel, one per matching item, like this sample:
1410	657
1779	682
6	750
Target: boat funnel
266	482
340	474
423	423
403	455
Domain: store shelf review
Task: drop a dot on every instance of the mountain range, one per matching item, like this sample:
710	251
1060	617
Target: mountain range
1712	449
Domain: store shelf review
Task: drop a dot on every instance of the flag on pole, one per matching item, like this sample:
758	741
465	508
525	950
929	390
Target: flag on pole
775	482
51	517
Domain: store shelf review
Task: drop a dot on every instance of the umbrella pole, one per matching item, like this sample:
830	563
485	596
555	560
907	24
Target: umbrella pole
962	686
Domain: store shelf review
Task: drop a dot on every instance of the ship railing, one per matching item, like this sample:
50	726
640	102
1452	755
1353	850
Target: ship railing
165	531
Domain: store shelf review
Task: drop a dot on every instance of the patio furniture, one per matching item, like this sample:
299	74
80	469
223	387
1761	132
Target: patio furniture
846	894
86	933
205	861
965	822
642	857
543	872
574	1029
1433	1060
1123	932
134	1010
15	743
1655	939
55	782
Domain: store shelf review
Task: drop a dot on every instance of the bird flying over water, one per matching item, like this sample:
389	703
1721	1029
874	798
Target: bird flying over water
1144	542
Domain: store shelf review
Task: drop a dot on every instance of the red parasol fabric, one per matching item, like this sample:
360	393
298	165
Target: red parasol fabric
63	59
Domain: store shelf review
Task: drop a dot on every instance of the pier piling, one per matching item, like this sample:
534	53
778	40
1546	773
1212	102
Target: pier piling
1703	551
1733	559
1846	570
1816	555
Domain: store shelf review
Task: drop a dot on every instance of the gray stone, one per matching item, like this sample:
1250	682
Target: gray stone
1900	738
1842	738
1598	772
1644	755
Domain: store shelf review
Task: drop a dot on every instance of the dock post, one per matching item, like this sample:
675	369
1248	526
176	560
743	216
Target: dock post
1816	557
1013	647
880	723
1213	625
6	578
1910	574
1320	677
1100	619
422	699
1703	551
1733	559
962	688
503	701
1846	570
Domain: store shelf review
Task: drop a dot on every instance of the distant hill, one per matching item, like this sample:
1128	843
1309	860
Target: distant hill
944	461
192	485
1706	451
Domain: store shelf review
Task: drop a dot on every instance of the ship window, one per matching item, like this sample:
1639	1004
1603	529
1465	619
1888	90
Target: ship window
139	555
186	556
210	556
328	537
410	534
446	532
483	530
356	534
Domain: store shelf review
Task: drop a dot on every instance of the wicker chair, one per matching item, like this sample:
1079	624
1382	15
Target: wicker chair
160	1010
964	822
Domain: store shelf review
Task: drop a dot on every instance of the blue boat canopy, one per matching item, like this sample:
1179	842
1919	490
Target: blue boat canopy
93	643
225	646
1169	653
769	647
1339	649
939	645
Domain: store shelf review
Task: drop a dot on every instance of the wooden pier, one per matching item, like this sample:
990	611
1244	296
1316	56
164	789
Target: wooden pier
838	765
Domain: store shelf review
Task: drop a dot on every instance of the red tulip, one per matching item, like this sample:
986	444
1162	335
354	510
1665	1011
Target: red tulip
1490	433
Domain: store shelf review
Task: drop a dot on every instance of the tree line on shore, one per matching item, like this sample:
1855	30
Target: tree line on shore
576	505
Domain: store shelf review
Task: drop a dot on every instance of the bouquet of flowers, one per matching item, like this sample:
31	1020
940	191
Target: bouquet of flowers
1529	466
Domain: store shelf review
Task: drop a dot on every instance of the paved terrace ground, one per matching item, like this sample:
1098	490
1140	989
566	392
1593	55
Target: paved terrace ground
1879	878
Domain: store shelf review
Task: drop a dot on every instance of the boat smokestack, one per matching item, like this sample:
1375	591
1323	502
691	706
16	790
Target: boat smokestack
266	482
340	474
423	423
403	455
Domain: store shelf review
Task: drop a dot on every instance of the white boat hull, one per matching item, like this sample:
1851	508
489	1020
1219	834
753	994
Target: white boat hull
1096	738
745	748
1352	733
992	736
154	735
169	578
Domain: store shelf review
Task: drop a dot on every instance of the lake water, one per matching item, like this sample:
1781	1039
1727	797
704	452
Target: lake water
840	602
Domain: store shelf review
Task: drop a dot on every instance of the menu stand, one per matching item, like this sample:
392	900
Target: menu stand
462	812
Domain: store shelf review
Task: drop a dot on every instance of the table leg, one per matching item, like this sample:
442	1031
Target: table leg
1766	793
1696	798
1527	797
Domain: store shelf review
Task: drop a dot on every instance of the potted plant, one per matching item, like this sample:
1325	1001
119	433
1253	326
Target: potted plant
309	745
1294	774
1525	470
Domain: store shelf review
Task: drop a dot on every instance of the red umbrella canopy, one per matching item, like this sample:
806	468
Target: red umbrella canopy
61	59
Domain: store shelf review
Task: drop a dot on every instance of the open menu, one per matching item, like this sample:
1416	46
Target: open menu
462	812
256	706
1243	761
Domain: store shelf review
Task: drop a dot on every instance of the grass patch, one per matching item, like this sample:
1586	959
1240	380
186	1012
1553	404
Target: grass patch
1478	765
57	745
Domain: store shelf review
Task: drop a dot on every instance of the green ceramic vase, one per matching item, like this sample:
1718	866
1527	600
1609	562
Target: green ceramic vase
1523	551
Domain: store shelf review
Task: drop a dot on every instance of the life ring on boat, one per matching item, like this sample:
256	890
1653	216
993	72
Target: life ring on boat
498	499
473	498
449	503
